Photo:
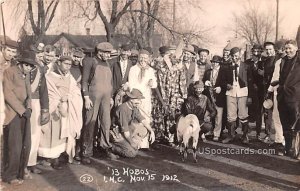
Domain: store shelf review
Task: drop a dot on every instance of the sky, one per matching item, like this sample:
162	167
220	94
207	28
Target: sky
215	15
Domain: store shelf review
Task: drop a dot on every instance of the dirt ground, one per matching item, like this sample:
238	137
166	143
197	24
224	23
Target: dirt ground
220	167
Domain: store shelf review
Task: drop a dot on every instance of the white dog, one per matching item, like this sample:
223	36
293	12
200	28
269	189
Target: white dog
188	127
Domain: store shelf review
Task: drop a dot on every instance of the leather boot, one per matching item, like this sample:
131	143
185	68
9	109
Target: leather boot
231	132
245	128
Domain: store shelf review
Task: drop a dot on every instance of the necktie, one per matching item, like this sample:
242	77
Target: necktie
123	68
235	71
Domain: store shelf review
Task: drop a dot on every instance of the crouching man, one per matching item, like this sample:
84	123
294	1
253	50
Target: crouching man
131	128
199	105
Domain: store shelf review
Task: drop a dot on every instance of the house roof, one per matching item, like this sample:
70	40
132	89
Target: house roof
86	42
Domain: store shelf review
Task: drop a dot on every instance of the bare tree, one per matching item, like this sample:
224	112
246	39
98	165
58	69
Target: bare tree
44	18
254	25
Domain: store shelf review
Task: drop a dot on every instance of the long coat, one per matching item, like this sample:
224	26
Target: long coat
17	93
118	79
220	82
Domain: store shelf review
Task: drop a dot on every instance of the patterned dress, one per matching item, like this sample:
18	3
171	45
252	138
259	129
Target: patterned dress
173	88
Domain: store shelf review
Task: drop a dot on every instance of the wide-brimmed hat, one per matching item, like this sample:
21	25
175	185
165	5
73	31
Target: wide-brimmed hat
189	48
27	57
217	59
105	47
135	94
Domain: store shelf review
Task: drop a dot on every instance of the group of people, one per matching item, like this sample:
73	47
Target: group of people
76	106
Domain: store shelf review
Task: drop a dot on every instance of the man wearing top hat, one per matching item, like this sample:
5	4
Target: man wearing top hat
17	95
40	109
131	126
120	70
97	91
214	80
9	53
238	95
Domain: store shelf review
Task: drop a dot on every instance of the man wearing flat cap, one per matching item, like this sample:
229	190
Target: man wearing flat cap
256	65
65	108
189	61
97	91
215	89
120	70
9	53
76	69
17	95
131	127
238	95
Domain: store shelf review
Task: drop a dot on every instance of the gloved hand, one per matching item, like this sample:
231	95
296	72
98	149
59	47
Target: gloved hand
45	117
27	113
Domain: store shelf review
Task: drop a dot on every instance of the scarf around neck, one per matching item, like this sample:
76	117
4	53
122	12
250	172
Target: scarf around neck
143	71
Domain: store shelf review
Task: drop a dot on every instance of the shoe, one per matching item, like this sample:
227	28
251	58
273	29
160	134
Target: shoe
216	139
267	139
111	156
27	176
245	139
45	163
203	138
76	162
279	149
258	137
86	160
16	182
56	164
34	170
227	140
78	158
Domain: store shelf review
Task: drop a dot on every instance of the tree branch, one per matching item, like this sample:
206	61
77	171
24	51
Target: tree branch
52	15
30	13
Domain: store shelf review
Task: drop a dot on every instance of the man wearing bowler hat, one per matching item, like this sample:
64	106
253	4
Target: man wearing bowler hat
132	126
238	95
97	91
17	95
214	80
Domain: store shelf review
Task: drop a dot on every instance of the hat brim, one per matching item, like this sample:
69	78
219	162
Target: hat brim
28	61
189	51
133	96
